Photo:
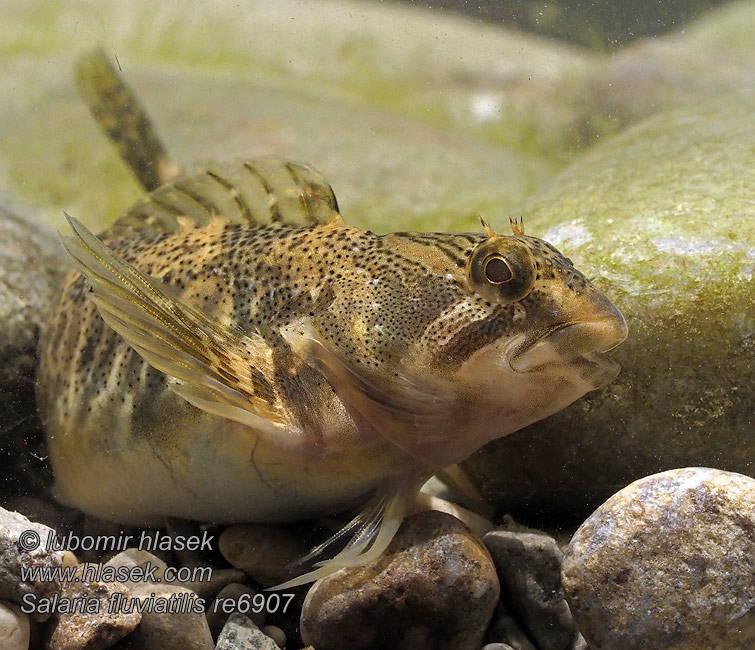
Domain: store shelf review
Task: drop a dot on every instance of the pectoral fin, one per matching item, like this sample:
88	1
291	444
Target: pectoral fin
217	366
414	410
371	531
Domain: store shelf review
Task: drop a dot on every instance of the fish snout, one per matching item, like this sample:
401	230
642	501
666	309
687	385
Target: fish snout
584	337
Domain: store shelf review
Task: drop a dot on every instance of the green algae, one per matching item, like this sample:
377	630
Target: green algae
389	172
663	218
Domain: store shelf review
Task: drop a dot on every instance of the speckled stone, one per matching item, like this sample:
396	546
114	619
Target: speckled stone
134	557
241	597
529	567
240	633
96	628
14	559
667	563
434	588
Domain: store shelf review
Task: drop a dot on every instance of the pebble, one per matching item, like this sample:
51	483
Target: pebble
95	626
44	511
262	551
580	643
434	588
506	630
529	567
134	557
184	629
497	646
12	558
667	563
236	595
275	633
240	633
220	579
14	628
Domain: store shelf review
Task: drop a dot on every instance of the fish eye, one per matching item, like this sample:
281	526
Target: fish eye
501	270
497	270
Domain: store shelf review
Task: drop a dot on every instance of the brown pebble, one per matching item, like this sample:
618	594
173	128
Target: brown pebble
101	624
434	588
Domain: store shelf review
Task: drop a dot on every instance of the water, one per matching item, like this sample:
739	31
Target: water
621	131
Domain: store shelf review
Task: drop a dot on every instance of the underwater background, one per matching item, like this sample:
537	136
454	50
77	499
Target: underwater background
621	132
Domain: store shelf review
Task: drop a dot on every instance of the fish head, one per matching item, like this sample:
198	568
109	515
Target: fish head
520	335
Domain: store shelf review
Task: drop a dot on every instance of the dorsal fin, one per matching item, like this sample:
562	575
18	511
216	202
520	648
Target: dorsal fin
258	191
120	114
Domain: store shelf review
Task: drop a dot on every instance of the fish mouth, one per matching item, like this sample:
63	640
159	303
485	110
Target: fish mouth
576	343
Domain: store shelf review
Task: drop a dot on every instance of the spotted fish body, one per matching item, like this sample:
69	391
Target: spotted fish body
233	351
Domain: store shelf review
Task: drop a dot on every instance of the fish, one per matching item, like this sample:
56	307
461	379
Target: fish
232	350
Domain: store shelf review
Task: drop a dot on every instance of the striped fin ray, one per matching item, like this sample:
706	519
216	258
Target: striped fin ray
257	191
217	366
372	530
116	108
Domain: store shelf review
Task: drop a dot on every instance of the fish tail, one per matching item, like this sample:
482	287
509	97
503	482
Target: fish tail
123	119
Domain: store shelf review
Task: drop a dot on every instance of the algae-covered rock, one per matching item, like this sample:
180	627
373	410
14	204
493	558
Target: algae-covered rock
417	123
420	119
663	218
696	62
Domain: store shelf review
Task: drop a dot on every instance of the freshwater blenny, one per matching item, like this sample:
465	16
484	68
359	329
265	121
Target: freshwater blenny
211	368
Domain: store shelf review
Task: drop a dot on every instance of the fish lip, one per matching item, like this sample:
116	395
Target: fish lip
583	342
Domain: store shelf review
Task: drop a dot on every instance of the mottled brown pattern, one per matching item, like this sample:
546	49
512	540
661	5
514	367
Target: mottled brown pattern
377	299
268	362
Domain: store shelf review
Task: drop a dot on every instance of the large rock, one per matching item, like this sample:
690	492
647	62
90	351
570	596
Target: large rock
417	123
434	588
31	267
668	563
663	218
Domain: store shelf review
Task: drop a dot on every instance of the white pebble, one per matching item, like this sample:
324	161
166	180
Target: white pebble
14	628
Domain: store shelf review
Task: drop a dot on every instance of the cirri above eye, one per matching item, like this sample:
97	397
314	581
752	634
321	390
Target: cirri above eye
501	269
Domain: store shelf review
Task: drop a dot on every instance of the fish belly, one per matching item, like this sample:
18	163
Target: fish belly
126	448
